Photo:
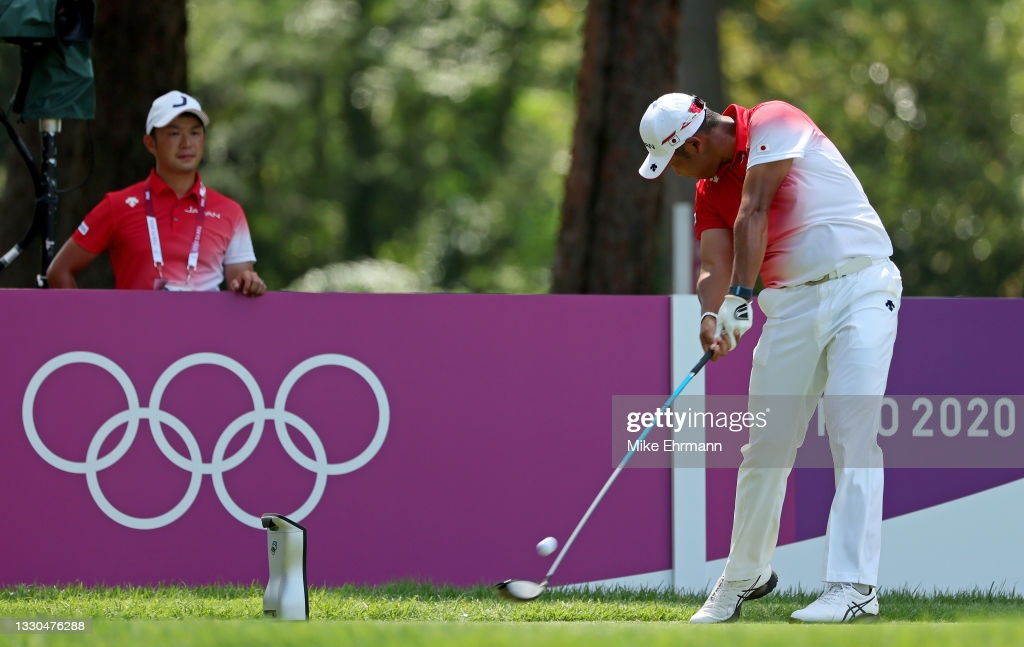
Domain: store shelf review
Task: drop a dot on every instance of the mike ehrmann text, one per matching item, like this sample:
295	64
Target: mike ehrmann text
669	445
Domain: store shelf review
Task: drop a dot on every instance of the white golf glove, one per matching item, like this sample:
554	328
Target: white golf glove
734	318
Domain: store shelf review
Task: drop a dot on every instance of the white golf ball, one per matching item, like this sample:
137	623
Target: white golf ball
547	546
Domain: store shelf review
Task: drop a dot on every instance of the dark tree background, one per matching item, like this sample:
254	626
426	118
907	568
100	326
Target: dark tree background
138	53
611	216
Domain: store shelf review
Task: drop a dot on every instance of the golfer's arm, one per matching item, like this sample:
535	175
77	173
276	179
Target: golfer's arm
715	268
69	261
750	233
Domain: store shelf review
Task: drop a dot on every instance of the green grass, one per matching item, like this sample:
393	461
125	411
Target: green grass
420	614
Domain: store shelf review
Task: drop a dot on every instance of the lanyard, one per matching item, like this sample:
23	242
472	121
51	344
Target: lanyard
154	234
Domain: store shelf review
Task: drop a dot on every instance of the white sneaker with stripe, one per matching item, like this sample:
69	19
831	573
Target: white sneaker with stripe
841	602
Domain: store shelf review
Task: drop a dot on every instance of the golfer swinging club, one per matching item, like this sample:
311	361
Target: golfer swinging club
775	198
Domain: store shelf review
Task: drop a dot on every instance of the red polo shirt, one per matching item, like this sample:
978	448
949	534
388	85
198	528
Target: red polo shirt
118	226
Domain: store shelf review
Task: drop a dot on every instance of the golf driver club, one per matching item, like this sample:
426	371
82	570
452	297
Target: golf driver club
525	590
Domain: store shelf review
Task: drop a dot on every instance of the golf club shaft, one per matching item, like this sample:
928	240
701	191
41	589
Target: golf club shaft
622	464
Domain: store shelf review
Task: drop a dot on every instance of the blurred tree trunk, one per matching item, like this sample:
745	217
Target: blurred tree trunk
611	216
698	46
138	53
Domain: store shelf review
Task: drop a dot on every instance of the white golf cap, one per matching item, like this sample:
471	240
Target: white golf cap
168	106
668	122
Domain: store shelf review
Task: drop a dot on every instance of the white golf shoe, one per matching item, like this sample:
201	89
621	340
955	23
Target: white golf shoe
841	602
723	605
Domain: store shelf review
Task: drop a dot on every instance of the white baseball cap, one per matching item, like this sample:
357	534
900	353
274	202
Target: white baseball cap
168	106
668	122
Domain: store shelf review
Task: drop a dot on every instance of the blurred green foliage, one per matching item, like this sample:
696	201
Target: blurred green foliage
360	135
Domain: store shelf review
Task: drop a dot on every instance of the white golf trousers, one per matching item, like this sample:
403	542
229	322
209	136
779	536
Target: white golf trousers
834	338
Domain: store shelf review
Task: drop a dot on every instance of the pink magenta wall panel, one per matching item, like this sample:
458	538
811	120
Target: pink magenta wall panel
427	437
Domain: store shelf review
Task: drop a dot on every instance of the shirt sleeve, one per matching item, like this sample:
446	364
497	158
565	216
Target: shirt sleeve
240	249
95	231
706	214
778	131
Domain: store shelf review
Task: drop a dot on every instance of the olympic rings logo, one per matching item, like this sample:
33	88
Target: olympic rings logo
130	418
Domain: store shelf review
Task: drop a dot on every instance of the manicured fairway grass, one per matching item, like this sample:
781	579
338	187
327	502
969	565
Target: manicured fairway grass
419	614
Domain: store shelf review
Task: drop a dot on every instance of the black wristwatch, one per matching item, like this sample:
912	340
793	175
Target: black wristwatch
741	292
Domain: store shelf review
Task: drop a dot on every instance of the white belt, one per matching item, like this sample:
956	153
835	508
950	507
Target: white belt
851	266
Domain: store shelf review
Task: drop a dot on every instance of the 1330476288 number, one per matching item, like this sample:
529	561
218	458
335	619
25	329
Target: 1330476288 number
45	625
